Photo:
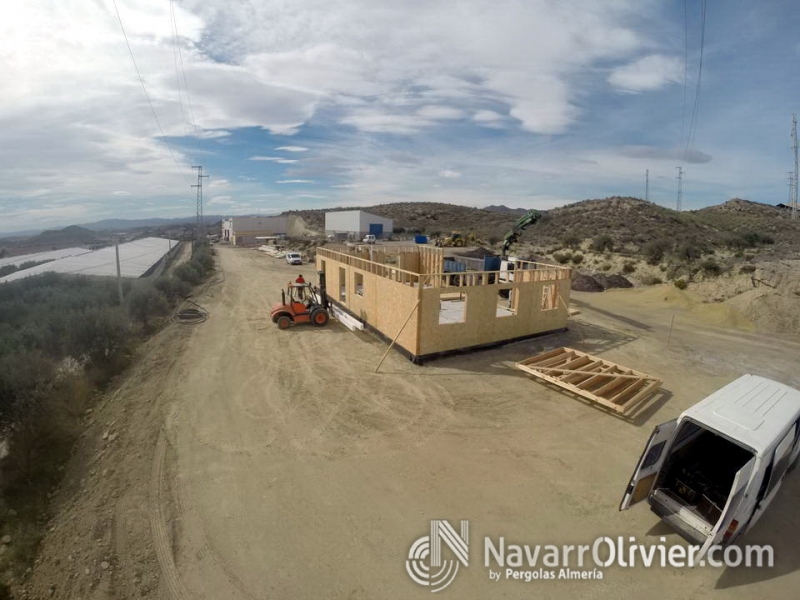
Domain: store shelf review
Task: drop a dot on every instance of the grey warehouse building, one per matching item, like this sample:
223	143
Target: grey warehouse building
355	224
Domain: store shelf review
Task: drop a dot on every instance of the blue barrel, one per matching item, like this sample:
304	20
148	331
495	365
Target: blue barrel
421	239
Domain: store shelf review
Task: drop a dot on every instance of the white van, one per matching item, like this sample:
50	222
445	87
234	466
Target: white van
712	472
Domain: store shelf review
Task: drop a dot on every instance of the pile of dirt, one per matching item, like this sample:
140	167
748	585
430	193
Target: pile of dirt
612	281
479	252
585	283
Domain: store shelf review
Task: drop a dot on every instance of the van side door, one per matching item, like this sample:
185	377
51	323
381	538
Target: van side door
776	468
650	463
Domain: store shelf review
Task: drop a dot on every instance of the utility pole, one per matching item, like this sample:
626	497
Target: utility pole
647	185
119	272
794	178
680	188
199	225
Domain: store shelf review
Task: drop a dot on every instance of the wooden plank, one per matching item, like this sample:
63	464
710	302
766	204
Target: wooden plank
545	355
608	374
645	393
556	361
586	373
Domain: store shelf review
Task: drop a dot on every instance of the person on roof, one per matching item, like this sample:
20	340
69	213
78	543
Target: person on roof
300	279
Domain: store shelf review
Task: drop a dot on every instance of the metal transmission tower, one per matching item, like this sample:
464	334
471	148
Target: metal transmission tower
199	225
793	201
680	188
647	185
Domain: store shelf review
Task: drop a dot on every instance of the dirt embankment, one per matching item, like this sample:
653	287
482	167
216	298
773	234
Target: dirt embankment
768	295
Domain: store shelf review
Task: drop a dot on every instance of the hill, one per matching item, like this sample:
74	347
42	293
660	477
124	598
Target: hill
630	222
74	234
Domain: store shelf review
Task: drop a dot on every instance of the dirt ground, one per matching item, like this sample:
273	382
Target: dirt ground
239	461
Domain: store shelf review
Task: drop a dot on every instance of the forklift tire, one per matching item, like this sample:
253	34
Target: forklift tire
319	317
283	322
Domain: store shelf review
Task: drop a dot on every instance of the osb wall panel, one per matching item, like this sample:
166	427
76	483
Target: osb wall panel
384	304
482	325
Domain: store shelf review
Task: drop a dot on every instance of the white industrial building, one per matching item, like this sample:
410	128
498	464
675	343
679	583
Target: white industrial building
243	231
355	224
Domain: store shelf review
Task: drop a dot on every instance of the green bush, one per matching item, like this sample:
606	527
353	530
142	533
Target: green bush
572	242
145	303
561	257
605	267
603	243
628	267
749	239
577	258
190	272
651	280
710	267
688	252
680	284
747	269
174	289
654	251
99	335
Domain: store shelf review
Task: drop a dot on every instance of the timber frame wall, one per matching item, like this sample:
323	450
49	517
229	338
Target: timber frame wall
382	286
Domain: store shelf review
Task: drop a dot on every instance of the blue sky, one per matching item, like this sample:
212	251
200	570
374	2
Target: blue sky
315	104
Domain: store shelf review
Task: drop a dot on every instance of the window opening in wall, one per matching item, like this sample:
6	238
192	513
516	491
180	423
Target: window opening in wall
506	302
549	297
452	308
358	283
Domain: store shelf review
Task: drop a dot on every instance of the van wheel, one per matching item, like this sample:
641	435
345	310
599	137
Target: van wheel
283	322
319	317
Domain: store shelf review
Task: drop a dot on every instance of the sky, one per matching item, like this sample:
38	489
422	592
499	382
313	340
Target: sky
292	104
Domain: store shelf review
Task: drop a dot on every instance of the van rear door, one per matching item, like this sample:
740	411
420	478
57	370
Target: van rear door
726	519
650	462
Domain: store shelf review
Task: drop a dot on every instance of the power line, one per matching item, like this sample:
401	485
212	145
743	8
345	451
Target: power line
177	46
695	109
144	88
796	173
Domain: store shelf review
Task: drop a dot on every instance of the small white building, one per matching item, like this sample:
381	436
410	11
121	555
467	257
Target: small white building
355	224
243	231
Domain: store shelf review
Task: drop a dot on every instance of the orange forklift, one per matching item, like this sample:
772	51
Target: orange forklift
301	302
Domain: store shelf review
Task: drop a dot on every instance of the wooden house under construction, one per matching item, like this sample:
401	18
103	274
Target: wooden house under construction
406	290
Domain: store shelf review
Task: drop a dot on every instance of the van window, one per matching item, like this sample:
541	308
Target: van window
653	455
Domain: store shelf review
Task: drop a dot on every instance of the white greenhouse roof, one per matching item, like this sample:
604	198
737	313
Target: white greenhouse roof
40	256
135	259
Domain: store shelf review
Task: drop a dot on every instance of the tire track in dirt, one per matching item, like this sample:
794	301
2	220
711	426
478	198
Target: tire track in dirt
158	525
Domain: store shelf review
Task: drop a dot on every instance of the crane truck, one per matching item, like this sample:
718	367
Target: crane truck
507	263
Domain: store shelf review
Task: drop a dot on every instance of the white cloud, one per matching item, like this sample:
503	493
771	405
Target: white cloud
276	159
219	183
221	200
291	181
440	112
489	118
449	174
292	148
647	74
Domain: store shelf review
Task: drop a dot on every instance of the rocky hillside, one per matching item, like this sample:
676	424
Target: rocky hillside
630	223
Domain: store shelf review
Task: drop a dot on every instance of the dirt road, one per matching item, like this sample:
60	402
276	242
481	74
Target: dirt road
254	463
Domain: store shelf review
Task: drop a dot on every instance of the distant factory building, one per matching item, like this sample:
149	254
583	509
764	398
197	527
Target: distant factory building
243	231
355	224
